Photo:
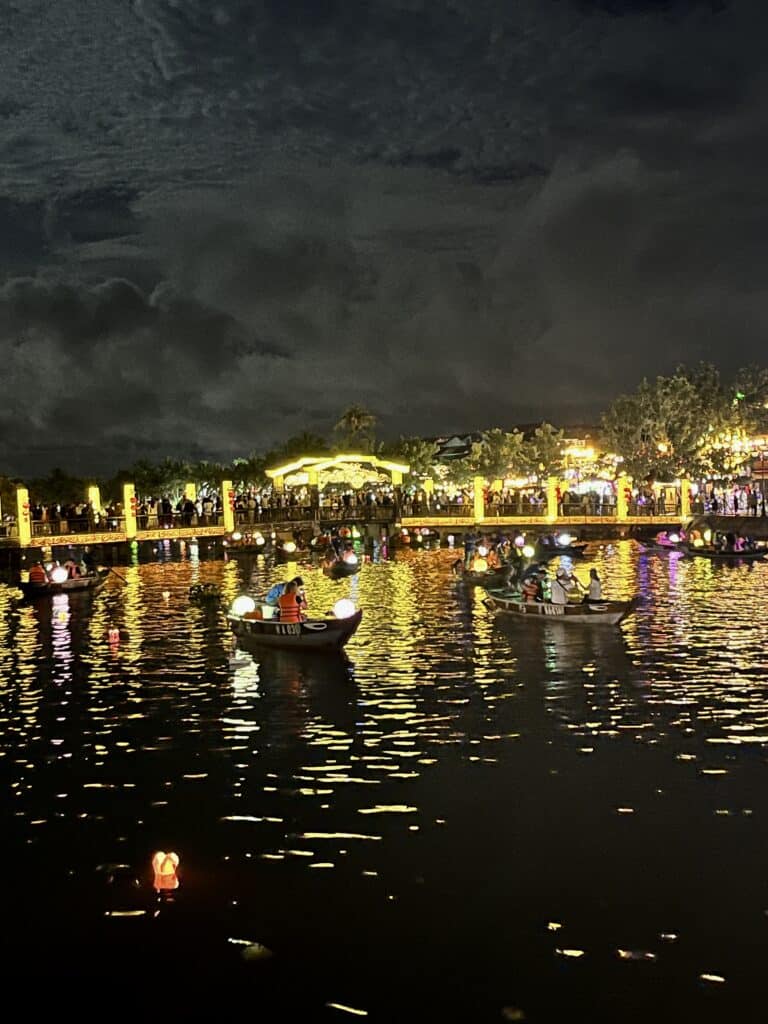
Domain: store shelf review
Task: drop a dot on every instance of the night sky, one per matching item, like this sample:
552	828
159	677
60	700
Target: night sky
221	222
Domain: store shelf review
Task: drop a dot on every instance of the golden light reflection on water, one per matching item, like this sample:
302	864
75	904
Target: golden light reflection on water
274	763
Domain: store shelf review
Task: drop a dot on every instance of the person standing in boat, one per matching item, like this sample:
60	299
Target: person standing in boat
561	588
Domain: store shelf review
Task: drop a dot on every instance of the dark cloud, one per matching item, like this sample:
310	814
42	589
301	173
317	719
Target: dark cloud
223	221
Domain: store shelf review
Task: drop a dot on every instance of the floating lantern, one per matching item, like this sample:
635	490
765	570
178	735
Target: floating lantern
59	574
344	608
164	866
564	540
529	551
519	541
355	532
289	547
260	541
707	536
243	605
479	565
674	538
482	551
237	536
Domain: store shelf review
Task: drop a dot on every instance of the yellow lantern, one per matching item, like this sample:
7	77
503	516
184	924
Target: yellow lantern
164	866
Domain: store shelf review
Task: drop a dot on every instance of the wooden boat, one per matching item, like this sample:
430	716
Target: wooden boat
489	578
608	613
545	552
340	570
715	555
655	547
204	594
77	585
329	634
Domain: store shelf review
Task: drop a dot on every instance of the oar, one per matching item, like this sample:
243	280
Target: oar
125	581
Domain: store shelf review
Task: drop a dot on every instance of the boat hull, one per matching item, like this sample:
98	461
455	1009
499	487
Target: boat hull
608	613
727	556
341	570
75	586
311	635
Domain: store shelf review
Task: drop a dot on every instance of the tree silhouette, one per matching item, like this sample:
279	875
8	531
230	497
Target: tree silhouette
356	428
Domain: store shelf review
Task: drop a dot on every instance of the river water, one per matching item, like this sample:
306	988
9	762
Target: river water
460	821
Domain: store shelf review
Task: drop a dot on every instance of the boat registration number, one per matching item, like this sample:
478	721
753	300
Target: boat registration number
288	628
554	609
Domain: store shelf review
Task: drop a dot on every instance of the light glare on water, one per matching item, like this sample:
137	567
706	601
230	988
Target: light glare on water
431	808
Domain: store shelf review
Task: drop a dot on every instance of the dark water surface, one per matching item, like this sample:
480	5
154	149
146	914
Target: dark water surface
459	822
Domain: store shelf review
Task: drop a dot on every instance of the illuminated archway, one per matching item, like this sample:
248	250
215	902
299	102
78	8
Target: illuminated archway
310	470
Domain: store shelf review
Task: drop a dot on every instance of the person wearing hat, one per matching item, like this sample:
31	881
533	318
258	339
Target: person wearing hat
562	585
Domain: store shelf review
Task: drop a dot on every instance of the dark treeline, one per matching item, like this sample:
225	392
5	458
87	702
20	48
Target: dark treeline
692	423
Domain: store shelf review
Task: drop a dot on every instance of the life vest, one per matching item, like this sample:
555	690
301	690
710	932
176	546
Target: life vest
530	589
289	608
37	574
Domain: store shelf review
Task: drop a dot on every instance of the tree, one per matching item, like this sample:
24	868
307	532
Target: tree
677	426
356	429
419	454
305	444
750	398
496	454
58	486
542	454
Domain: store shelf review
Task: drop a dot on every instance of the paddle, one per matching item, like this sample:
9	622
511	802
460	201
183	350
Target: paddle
125	581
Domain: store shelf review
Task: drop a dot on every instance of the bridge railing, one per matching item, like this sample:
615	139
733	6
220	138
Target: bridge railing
522	509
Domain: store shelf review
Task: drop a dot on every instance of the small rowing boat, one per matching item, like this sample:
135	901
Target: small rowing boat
714	555
340	570
609	613
76	585
329	634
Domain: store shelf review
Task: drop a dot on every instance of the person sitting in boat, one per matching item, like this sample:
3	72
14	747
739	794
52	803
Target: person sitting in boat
87	562
274	594
73	569
595	588
38	575
530	589
493	559
289	604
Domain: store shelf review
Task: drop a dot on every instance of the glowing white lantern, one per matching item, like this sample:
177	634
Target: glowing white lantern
482	551
674	538
529	551
242	605
519	541
59	574
289	547
344	608
564	540
237	536
259	538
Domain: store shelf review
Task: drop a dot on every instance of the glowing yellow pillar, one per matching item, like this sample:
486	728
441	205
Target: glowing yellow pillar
94	498
478	485
278	483
190	492
228	504
685	499
429	486
23	518
129	510
623	485
552	510
397	478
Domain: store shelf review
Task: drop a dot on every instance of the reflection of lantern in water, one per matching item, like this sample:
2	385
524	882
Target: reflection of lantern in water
164	866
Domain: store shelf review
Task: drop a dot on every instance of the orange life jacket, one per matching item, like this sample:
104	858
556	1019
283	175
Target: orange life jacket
530	590
37	574
289	608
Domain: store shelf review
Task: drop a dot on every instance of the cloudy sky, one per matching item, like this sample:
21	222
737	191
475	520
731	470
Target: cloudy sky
221	222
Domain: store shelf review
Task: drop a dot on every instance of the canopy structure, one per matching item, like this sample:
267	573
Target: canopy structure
356	469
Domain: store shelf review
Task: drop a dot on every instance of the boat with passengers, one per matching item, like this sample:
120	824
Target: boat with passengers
609	613
260	626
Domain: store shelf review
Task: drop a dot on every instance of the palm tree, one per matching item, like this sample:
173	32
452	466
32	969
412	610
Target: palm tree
356	428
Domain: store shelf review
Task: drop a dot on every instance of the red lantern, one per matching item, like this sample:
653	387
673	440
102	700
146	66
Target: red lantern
231	497
164	866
